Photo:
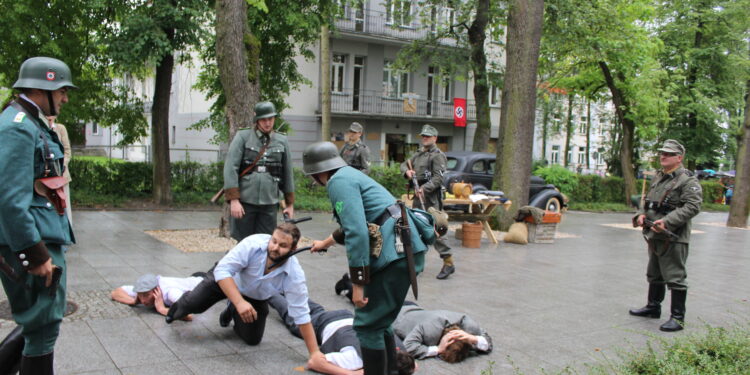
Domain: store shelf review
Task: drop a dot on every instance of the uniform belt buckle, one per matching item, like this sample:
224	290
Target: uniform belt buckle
261	168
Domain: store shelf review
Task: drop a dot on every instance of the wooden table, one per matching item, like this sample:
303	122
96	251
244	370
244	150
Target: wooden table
480	210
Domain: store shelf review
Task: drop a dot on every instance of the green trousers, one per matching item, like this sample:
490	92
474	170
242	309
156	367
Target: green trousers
257	219
666	264
385	293
33	308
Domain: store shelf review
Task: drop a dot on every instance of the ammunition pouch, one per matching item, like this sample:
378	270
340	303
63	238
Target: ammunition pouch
52	188
662	208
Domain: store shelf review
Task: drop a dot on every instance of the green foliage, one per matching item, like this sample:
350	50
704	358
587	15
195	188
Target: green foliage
599	207
713	192
559	176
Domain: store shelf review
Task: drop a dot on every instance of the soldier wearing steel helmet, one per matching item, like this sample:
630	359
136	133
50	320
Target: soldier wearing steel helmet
355	152
254	197
381	275
674	198
33	227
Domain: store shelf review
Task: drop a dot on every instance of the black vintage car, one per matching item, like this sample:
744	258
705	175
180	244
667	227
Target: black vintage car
478	169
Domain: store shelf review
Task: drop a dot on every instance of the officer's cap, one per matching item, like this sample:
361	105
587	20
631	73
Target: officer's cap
356	127
671	145
145	283
429	131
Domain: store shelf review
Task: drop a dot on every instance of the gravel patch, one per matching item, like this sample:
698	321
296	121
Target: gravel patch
202	240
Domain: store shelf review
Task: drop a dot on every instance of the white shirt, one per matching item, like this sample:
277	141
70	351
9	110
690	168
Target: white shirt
172	288
347	357
246	262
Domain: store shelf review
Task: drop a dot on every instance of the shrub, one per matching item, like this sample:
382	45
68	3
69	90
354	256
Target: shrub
559	176
712	191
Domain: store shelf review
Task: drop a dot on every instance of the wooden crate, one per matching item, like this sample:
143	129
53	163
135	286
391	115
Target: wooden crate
542	233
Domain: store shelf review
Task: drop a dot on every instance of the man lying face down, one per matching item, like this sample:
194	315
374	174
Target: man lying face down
157	291
245	276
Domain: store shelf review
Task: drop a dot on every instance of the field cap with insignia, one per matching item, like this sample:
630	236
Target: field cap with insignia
145	283
429	131
356	127
671	145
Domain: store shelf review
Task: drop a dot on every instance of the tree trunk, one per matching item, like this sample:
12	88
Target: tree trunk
160	127
692	116
477	35
628	131
740	207
568	130
237	57
588	134
325	83
514	146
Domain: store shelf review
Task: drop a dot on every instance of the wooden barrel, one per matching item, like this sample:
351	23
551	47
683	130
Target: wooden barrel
461	190
472	234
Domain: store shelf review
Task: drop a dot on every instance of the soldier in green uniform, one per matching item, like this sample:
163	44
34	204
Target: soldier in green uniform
355	152
429	166
673	199
254	198
33	230
381	279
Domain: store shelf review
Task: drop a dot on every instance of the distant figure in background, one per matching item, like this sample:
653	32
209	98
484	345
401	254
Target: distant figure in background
355	152
62	133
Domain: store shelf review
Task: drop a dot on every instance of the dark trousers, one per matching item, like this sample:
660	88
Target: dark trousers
319	317
257	219
207	293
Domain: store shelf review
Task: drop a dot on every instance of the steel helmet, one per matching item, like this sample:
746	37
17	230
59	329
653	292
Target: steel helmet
321	157
44	73
264	110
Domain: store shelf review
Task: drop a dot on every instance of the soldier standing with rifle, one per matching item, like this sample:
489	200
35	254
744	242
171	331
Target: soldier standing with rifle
355	152
428	167
381	274
33	224
258	165
673	199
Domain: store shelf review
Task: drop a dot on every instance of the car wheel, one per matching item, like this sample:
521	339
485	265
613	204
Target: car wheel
553	204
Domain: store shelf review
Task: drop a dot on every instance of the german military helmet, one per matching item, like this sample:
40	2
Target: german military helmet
321	157
264	110
44	73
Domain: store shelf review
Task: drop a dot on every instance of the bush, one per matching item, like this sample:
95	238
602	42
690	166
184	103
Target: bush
559	176
713	192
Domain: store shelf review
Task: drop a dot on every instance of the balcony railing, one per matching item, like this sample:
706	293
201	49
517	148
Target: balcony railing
372	22
375	103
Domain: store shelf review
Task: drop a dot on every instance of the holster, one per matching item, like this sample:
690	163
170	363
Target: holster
52	188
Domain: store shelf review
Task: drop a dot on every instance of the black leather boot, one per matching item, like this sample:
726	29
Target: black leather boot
653	307
373	361
345	284
11	351
37	365
676	322
390	354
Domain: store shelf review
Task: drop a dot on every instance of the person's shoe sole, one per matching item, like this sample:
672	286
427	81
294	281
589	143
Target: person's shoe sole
445	272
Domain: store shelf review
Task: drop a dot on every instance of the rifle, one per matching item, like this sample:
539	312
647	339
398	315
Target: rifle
416	184
672	235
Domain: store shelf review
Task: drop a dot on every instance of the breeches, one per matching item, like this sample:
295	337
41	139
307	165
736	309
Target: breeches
666	264
34	309
386	293
257	219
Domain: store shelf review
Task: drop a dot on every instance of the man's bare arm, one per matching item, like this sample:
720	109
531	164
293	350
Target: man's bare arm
120	295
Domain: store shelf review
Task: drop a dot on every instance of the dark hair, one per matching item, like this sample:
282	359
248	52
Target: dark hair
458	350
291	230
405	363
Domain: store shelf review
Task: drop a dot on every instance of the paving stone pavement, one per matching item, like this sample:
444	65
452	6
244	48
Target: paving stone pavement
546	306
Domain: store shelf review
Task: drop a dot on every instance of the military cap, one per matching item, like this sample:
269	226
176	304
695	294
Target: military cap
145	283
429	130
356	127
671	145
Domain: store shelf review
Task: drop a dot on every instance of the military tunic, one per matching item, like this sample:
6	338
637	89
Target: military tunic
30	227
258	191
676	198
357	200
429	167
357	155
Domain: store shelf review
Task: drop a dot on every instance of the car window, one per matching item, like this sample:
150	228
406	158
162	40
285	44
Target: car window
478	167
452	162
491	163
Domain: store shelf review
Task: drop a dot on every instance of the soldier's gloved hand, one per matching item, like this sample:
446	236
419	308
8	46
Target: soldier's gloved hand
44	270
236	209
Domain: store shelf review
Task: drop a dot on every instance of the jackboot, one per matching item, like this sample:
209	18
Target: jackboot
390	354
676	322
11	351
373	361
37	365
653	306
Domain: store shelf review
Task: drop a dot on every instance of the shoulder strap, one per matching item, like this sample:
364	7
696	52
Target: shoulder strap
42	133
257	158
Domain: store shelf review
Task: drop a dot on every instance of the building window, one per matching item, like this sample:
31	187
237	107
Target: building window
581	155
582	125
445	92
174	134
399	12
494	96
555	156
395	83
338	63
94	128
441	18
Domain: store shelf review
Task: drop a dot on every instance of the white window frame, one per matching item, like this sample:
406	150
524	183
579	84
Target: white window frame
395	83
405	17
446	91
495	96
338	71
95	129
581	155
582	125
555	155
